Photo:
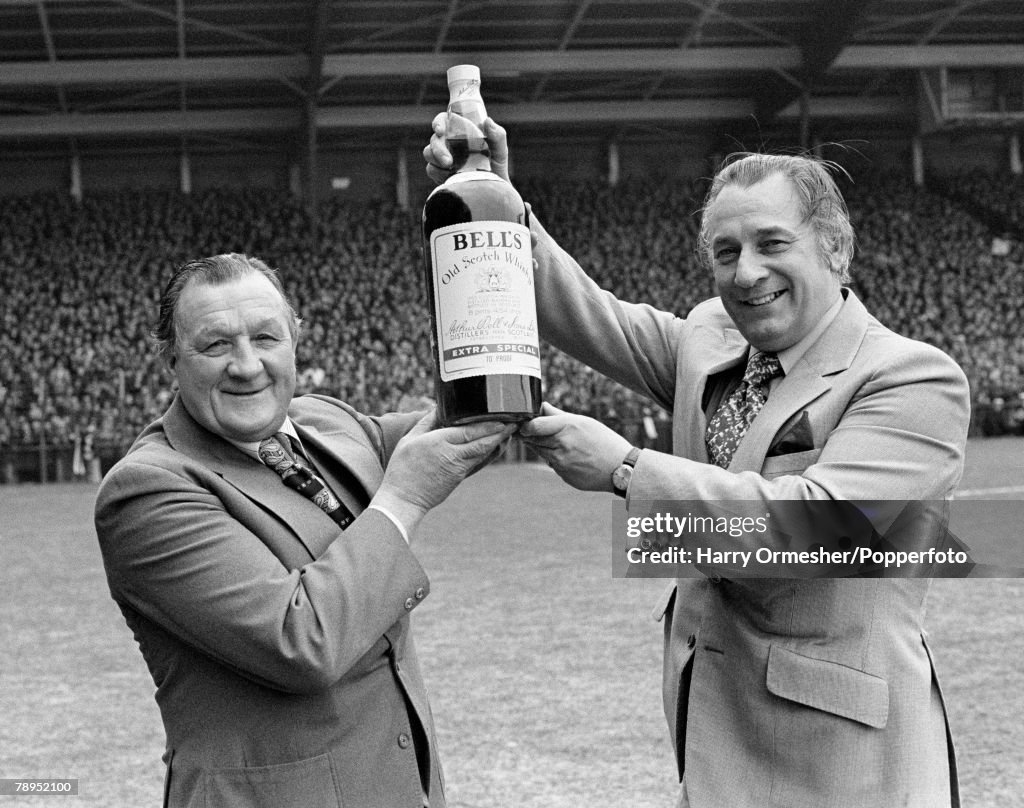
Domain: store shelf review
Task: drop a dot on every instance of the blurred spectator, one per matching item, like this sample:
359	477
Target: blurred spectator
77	281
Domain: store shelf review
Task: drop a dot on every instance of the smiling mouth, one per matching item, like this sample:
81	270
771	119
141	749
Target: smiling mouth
764	300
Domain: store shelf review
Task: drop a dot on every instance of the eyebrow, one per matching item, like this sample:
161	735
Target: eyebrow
761	232
774	230
267	324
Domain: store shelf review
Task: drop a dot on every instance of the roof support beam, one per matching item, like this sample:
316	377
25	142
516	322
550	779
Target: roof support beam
295	69
200	122
142	71
311	97
837	20
881	57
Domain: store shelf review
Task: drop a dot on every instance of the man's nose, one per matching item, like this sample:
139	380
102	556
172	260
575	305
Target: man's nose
748	271
245	360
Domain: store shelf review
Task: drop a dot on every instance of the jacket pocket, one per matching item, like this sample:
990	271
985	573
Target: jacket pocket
828	686
303	782
793	463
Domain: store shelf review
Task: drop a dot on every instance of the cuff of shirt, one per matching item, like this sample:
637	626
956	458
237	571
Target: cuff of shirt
394	519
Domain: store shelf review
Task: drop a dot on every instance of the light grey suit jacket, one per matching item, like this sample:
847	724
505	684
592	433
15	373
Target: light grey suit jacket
279	646
783	692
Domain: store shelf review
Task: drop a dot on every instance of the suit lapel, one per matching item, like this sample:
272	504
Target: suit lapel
833	353
795	391
313	528
350	458
711	353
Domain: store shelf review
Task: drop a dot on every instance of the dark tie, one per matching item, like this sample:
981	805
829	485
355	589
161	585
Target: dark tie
277	452
730	423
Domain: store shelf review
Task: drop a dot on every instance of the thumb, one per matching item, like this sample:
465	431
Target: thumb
497	139
544	425
424	425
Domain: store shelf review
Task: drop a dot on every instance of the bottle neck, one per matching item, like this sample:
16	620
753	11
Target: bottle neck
465	133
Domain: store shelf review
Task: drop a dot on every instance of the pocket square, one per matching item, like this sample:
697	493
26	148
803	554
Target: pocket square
800	438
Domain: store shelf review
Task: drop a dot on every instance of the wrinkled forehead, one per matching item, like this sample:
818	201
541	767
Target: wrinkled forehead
769	202
244	301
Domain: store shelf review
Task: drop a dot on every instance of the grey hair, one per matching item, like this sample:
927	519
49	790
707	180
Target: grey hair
821	203
214	270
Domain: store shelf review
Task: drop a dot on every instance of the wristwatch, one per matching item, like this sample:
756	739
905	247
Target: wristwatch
624	473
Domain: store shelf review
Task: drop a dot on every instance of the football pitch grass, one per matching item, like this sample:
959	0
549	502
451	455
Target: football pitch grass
544	671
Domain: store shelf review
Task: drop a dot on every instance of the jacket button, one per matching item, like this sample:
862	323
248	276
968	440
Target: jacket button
409	603
691	641
420	593
404	740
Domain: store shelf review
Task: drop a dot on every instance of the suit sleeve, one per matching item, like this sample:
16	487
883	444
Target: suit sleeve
634	344
184	554
383	431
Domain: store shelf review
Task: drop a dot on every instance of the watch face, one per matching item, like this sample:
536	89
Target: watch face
622	476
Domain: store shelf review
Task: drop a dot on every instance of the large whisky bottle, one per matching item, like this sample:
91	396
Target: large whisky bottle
479	277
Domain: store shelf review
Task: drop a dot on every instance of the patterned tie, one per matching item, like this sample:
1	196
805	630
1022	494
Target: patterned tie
276	452
730	423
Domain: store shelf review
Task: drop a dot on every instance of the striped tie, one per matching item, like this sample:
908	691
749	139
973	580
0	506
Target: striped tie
730	423
276	452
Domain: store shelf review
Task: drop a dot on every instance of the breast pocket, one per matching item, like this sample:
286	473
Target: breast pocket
303	782
793	463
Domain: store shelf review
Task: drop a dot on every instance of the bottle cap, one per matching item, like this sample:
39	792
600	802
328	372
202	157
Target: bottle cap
463	73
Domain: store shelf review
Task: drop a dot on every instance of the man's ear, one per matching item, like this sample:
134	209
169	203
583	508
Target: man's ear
832	257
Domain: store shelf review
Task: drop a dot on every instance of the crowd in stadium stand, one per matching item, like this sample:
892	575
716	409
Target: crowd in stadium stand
79	284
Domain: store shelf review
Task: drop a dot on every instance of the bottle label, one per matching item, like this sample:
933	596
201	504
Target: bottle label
484	296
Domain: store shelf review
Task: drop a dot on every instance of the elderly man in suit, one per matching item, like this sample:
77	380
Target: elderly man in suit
783	391
258	547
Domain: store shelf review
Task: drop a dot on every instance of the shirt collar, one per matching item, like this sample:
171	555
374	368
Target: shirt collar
789	357
252	448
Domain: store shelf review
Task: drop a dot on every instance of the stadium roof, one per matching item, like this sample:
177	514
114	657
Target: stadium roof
238	71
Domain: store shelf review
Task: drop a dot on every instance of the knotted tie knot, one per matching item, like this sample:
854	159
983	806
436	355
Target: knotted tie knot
273	453
761	369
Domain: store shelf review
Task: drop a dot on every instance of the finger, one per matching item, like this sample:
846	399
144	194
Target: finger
480	448
428	157
437	175
534	241
487	460
489	443
498	142
494	131
439	154
440	123
473	432
547	408
542	427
